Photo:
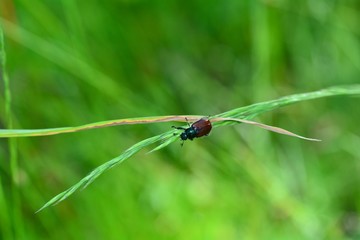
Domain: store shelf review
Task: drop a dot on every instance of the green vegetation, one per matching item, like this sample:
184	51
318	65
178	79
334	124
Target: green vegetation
70	63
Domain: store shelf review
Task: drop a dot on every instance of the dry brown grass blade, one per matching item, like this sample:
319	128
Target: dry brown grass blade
264	126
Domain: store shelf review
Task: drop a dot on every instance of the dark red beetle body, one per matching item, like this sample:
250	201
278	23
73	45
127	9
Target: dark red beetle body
201	127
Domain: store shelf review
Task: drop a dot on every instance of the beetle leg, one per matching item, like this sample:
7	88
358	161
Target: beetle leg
188	122
179	128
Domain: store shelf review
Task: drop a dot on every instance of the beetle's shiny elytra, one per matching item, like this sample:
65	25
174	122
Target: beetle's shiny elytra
201	127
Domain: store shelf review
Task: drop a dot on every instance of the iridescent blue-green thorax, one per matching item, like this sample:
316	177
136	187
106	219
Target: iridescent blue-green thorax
189	133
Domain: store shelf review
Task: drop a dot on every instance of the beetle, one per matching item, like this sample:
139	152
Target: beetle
201	127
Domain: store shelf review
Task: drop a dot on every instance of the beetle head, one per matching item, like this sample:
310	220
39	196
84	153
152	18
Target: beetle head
183	136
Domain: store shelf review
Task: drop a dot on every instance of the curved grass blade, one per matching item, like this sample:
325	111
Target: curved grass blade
53	131
226	118
267	127
101	169
170	139
249	112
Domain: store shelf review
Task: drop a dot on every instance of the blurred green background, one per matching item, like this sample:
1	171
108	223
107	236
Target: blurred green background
75	62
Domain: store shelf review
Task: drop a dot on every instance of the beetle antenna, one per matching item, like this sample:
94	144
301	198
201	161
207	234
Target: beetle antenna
187	121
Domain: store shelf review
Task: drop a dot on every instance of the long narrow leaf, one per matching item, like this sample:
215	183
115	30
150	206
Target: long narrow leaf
247	112
231	117
101	169
267	127
4	133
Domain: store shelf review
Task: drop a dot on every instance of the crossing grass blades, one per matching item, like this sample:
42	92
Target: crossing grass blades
200	127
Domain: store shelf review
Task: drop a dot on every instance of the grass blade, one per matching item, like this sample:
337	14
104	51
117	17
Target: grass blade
53	131
101	169
267	127
226	118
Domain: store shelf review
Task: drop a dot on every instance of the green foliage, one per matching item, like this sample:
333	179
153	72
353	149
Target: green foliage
75	62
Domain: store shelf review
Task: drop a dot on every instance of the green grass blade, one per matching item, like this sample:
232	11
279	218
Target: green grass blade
5	227
247	112
169	138
14	168
101	169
